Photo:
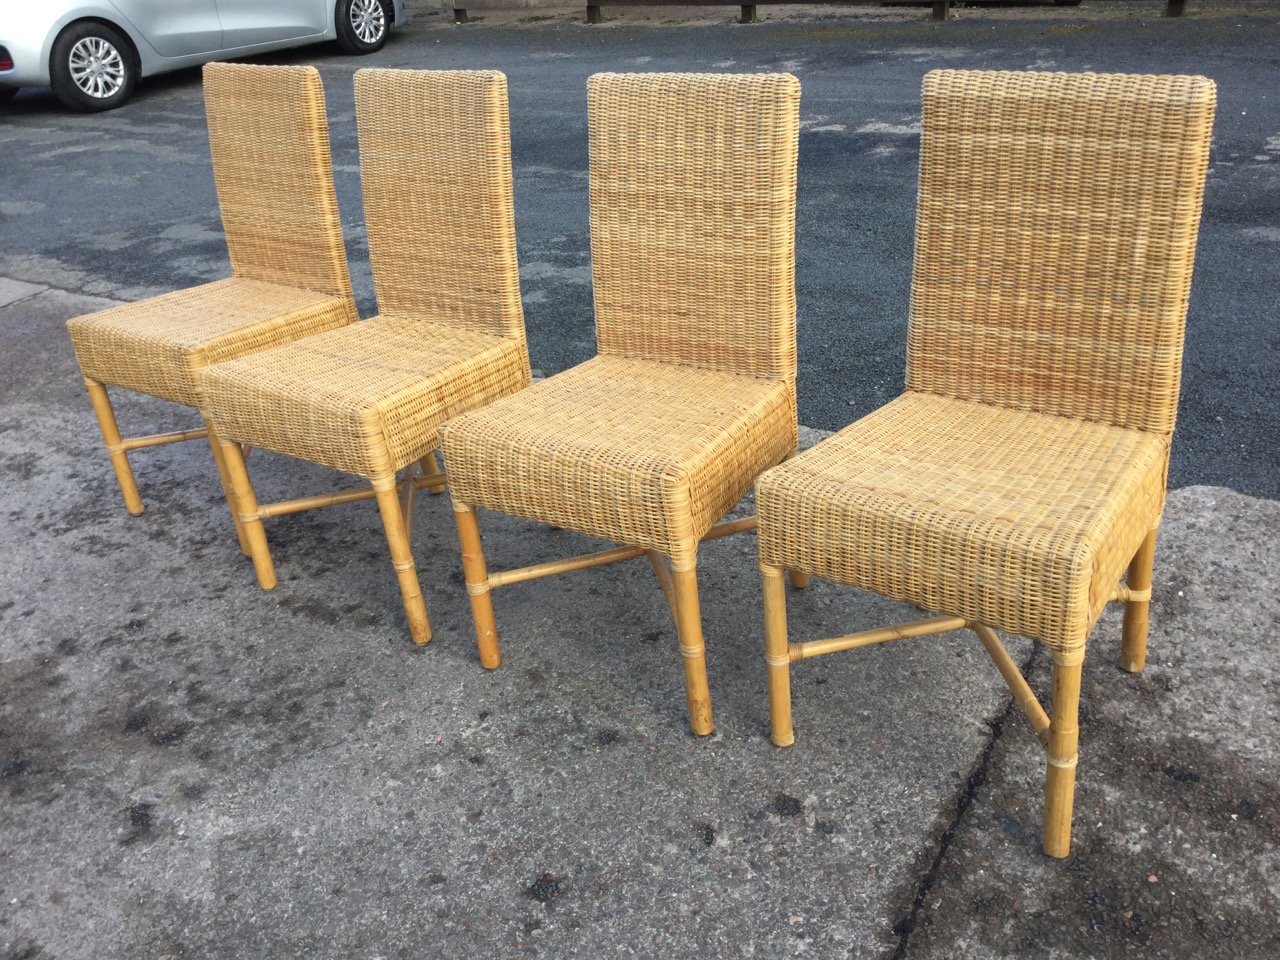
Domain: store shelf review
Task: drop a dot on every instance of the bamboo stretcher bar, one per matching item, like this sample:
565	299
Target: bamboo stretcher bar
1125	593
331	499
614	555
1016	682
156	439
867	638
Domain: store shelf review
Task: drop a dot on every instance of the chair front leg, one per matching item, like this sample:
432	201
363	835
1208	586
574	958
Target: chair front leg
776	655
477	577
1133	642
106	415
1064	739
692	648
415	608
246	502
227	489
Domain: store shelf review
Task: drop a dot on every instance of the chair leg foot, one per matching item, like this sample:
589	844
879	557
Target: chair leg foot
477	577
777	656
692	649
415	608
228	490
106	415
251	523
1064	739
798	580
1133	643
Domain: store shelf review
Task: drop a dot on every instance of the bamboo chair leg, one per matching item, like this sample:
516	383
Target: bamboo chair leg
798	580
1133	643
477	576
1064	738
115	445
431	468
692	649
247	502
415	607
776	656
227	489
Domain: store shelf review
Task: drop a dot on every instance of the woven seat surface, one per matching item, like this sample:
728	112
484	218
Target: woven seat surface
638	452
368	398
1019	520
158	346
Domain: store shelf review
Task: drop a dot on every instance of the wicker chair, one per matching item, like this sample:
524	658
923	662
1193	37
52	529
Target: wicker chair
368	399
1023	470
692	392
270	147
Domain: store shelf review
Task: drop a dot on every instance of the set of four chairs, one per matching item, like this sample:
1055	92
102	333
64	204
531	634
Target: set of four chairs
1011	486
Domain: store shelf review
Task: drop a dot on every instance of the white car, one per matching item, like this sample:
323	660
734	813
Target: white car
93	52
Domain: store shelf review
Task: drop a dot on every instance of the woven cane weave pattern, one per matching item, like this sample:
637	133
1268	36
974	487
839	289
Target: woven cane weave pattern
693	392
369	399
637	452
1056	230
274	175
159	346
442	241
1018	519
366	399
270	146
693	221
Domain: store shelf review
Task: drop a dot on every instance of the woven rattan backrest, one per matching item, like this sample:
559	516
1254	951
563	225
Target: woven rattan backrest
693	185
1055	235
435	164
270	145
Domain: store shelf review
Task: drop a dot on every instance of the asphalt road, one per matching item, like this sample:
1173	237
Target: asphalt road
123	204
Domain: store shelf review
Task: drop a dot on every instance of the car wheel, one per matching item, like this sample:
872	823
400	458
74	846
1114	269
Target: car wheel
362	25
92	67
7	92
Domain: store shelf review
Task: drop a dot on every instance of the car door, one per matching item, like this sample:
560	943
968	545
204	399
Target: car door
246	23
175	28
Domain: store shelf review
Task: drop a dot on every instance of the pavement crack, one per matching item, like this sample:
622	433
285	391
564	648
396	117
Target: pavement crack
977	777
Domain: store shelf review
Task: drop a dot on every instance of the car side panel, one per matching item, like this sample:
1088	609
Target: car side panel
175	28
251	22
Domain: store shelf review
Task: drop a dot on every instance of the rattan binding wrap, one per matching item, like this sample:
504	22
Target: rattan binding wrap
1055	237
693	390
271	165
369	399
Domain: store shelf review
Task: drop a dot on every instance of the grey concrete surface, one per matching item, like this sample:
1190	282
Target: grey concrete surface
193	768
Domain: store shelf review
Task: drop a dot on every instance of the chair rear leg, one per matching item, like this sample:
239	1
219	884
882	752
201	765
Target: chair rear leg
1133	643
228	490
692	648
1064	739
115	445
776	655
477	577
415	608
247	503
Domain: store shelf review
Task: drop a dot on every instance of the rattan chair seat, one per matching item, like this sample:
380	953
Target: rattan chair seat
1022	521
159	346
635	451
366	399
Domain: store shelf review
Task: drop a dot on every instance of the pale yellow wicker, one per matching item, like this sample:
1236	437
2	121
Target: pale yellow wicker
692	392
369	399
270	146
1024	469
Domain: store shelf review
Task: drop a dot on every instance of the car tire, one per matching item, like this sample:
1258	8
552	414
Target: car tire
92	67
362	25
